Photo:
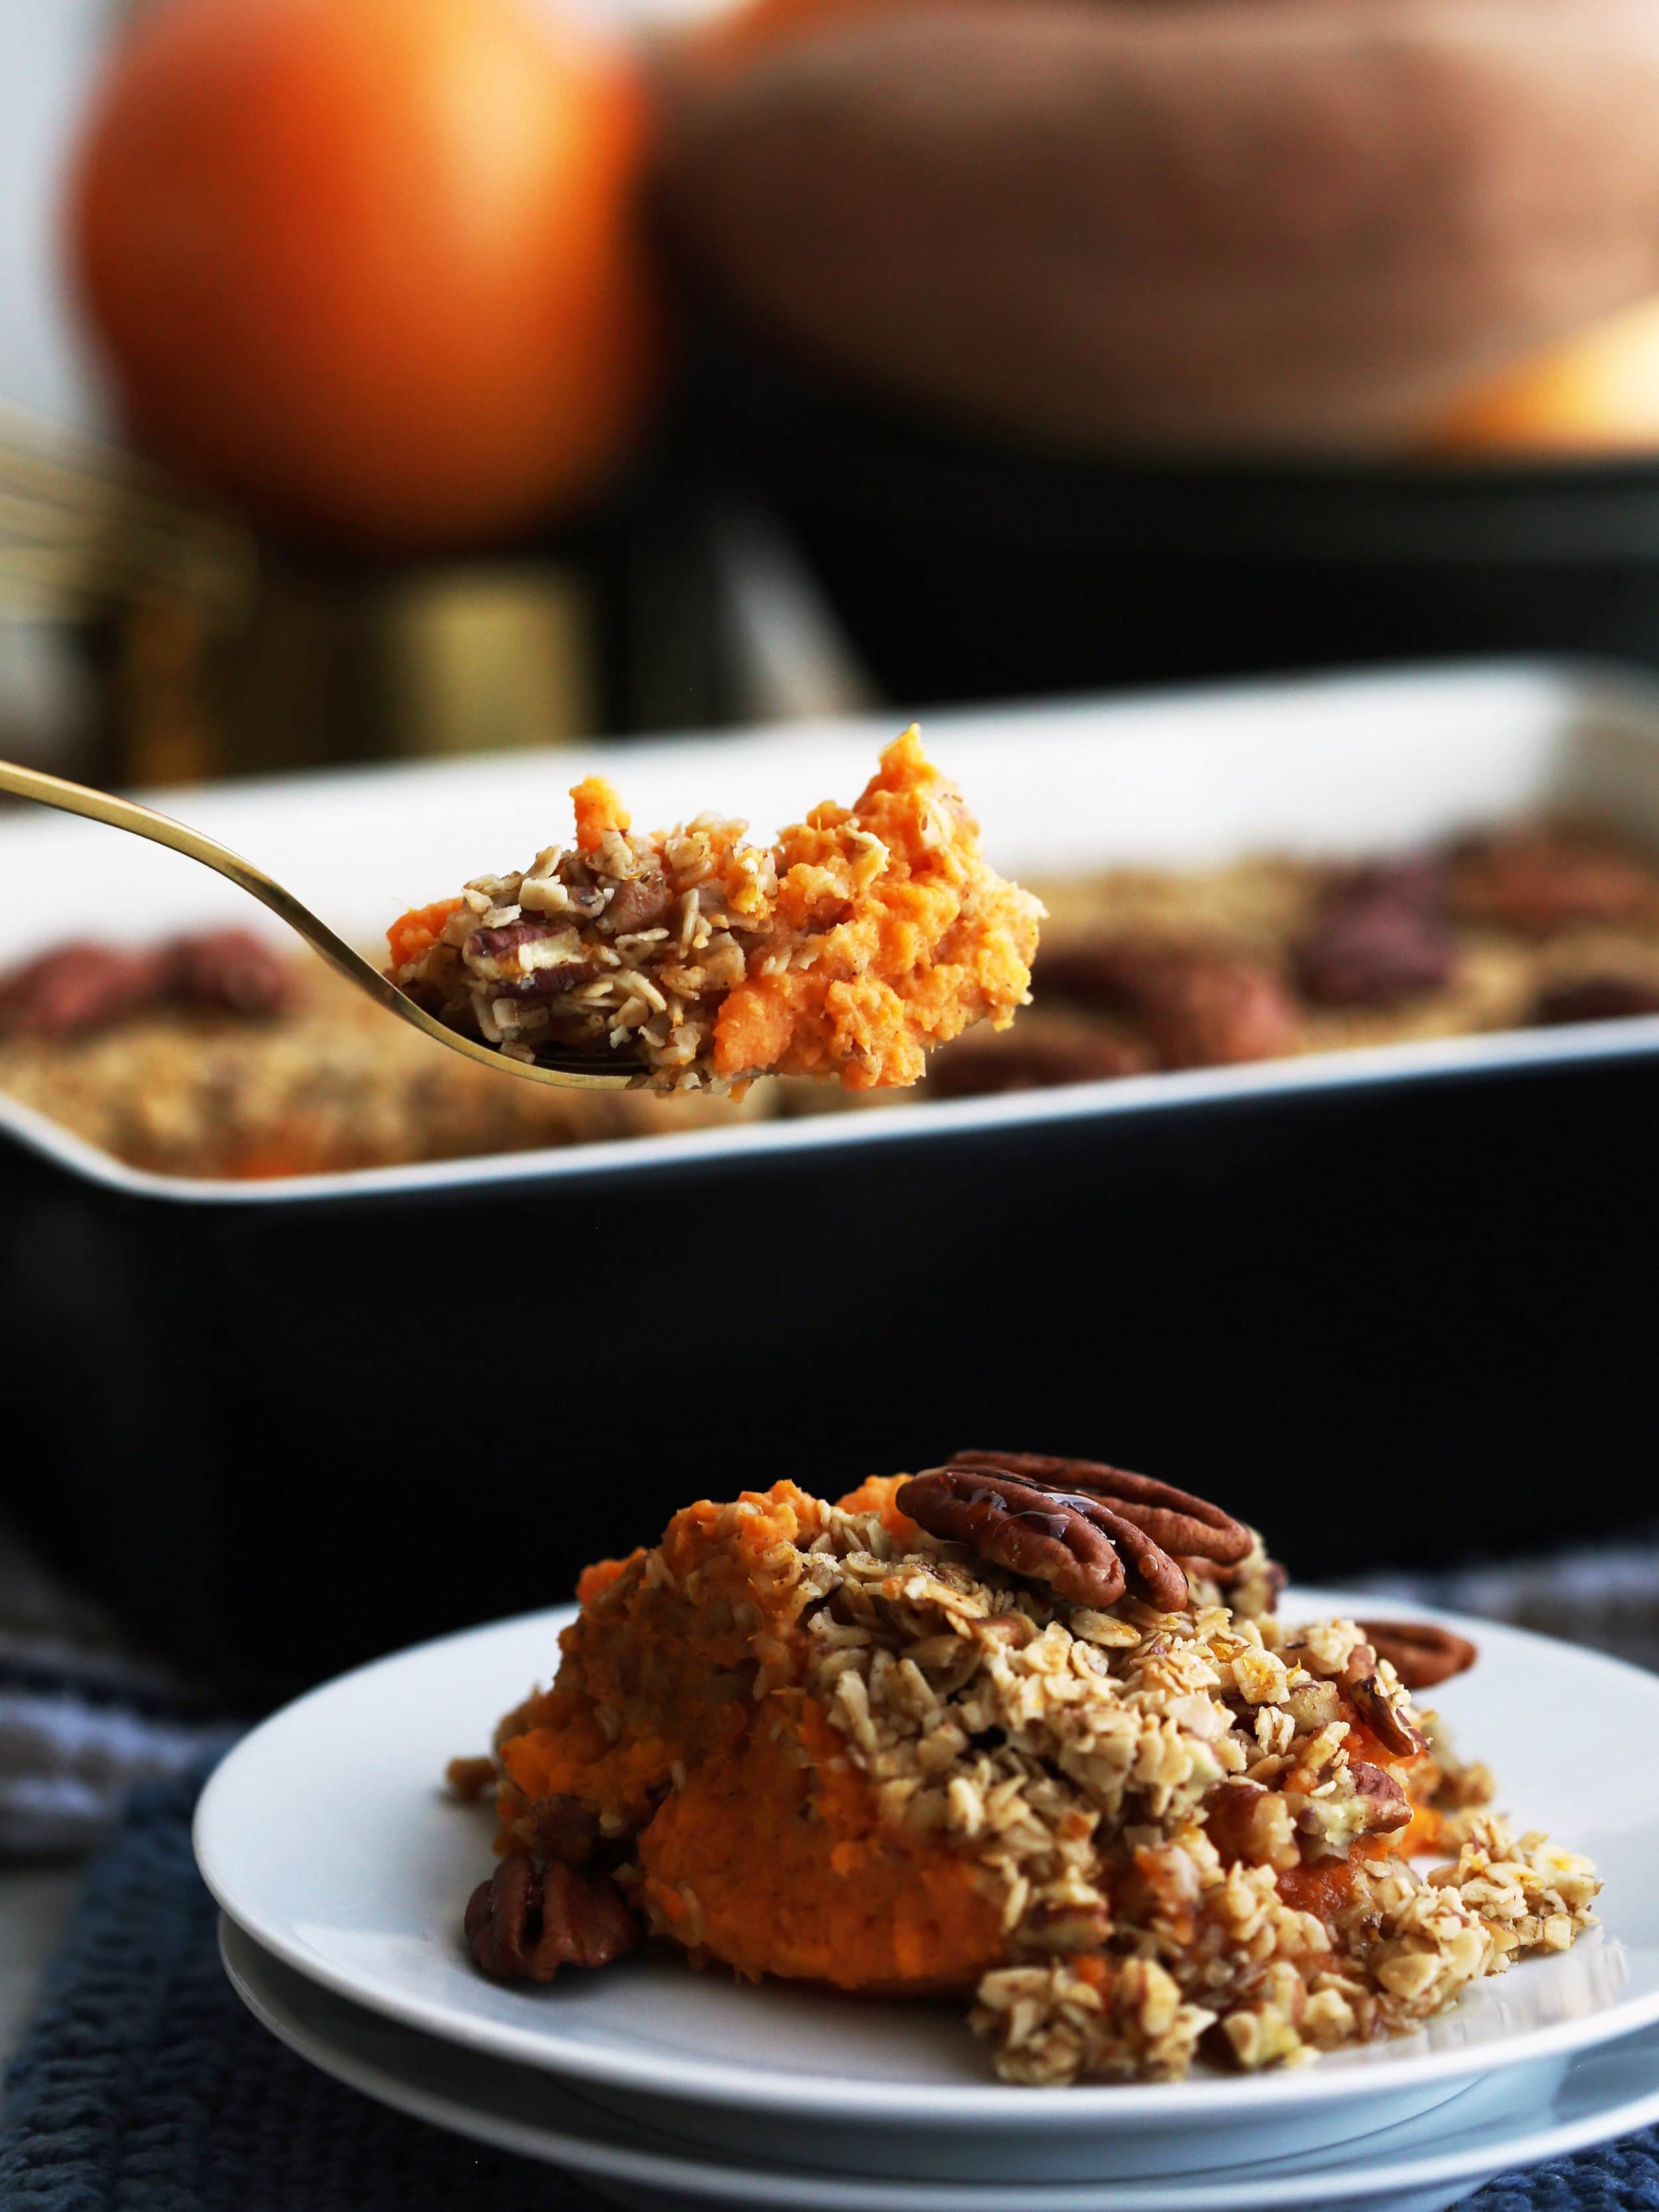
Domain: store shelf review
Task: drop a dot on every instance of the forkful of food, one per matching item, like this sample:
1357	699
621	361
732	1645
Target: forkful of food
688	960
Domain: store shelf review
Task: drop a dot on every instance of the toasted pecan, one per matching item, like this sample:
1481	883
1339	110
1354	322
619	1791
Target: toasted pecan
644	902
1419	1653
1202	1004
1388	1809
1079	1526
79	988
1027	1527
1605	998
229	970
1182	1523
526	1922
1537	881
1380	935
1383	1717
1036	1059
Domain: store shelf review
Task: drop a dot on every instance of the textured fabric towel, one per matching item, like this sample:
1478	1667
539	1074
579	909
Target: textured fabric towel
143	2087
84	1713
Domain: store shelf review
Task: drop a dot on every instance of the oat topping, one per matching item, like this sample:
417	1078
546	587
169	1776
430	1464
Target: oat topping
818	1740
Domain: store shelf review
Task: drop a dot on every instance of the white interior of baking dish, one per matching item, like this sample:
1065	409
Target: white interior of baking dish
1335	766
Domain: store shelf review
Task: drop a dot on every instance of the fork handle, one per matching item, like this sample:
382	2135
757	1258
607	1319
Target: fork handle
56	790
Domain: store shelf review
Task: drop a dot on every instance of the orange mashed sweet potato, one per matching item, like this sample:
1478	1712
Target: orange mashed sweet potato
676	1715
915	937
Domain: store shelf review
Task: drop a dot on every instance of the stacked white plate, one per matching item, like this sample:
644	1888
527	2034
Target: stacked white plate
342	1867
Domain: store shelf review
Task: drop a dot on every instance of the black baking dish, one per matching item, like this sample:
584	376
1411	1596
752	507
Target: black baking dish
1393	1305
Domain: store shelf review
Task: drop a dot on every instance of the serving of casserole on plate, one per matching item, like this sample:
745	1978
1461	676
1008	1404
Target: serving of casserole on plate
961	1734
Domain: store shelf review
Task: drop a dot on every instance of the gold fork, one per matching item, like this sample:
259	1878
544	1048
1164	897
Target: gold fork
570	1070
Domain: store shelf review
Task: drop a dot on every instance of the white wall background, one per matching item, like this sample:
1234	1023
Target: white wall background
48	50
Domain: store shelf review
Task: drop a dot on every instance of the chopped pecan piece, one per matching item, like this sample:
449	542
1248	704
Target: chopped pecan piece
1379	937
498	955
1201	1004
1268	1573
1595	999
1387	1808
523	1923
1384	1719
505	945
551	982
1422	1656
1247	1823
644	902
1536	882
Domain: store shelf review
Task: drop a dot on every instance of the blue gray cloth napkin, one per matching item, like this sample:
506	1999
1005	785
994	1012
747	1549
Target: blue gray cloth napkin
143	2086
84	1713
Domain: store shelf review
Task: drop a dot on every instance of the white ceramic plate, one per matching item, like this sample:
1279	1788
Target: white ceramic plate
326	1835
1514	2117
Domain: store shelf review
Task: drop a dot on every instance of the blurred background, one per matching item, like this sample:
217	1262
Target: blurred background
395	380
383	380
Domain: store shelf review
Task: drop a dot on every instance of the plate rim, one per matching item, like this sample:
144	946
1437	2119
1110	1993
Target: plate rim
709	2176
981	2104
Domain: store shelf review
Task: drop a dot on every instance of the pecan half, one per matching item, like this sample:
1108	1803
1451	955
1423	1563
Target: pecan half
1421	1655
522	1924
1175	1519
1202	1005
1030	1060
498	1918
1595	999
1387	1808
1379	937
1066	1541
1077	1525
77	989
1537	881
228	969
